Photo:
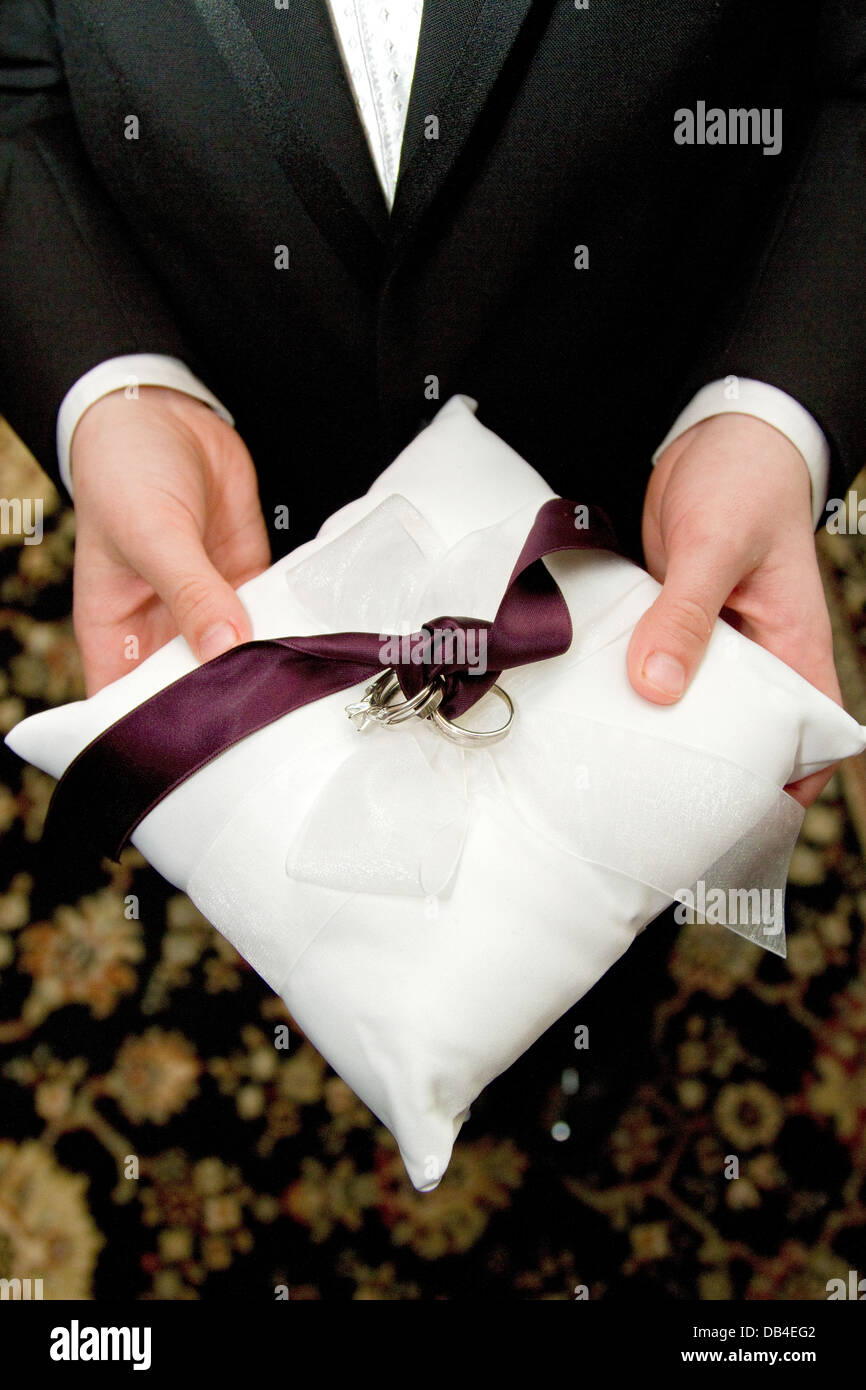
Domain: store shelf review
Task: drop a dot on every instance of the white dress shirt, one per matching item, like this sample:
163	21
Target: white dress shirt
378	41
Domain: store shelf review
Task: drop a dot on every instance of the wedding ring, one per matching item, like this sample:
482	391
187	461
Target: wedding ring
375	704
424	705
475	738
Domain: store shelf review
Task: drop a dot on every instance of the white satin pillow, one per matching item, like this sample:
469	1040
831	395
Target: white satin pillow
427	912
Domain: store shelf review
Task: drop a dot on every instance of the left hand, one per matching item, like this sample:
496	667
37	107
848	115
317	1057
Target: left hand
727	524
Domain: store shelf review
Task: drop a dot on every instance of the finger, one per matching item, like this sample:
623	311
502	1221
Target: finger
101	660
204	606
806	644
669	641
104	647
808	789
243	553
788	617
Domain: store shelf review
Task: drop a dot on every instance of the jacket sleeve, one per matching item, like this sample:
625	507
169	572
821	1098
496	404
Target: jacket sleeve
73	290
800	324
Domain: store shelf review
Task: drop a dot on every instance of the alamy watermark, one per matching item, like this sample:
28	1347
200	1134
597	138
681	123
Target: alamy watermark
446	646
854	1288
77	1343
732	907
22	516
20	1290
737	126
847	515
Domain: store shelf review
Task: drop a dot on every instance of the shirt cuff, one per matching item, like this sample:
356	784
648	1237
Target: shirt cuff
117	373
767	403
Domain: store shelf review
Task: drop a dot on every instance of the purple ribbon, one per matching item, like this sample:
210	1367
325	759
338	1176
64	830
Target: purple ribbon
128	769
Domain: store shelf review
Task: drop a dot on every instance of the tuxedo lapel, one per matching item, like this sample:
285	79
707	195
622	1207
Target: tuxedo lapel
287	65
463	47
288	68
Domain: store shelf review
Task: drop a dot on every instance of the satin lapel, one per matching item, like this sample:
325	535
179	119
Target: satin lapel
462	50
288	67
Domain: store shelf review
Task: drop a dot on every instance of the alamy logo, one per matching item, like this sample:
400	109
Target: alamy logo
465	647
20	1290
855	1288
847	515
737	126
75	1343
738	907
22	516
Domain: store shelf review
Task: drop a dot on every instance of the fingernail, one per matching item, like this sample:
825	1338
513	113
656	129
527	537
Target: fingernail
218	639
666	673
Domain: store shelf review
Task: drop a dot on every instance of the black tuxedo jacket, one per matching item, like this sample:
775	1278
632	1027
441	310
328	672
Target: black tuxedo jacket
555	130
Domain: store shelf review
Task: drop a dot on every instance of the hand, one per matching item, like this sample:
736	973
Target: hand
168	525
727	524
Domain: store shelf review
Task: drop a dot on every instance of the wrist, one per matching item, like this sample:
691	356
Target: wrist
739	458
760	401
110	412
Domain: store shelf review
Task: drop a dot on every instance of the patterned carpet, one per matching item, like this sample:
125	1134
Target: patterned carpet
155	1145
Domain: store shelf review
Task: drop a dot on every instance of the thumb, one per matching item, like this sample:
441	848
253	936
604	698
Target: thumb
206	610
669	641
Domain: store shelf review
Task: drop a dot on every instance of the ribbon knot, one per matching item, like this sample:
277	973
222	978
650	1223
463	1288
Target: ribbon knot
451	650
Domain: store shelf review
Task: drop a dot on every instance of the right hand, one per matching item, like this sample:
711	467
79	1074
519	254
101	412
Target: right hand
168	525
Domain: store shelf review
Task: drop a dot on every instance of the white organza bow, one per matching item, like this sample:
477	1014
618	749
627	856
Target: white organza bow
394	814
